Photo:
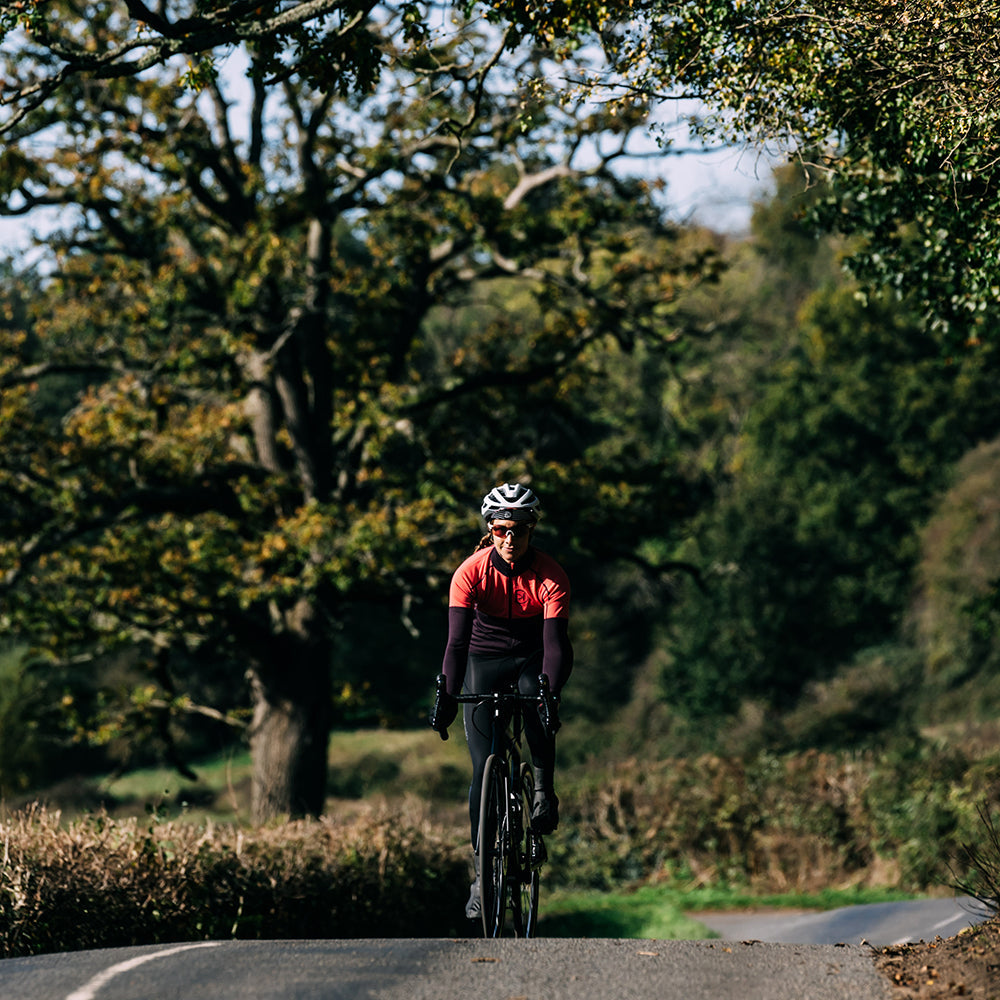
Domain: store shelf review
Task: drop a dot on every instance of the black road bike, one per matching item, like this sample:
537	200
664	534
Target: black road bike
511	853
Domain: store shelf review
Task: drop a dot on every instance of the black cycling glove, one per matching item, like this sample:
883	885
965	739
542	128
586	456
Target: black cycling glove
548	707
445	708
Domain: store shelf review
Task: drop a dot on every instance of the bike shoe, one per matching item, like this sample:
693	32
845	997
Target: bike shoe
474	907
544	811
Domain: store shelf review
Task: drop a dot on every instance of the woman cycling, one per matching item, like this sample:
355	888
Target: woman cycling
508	612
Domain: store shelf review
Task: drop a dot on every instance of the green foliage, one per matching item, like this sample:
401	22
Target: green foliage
869	702
774	822
338	48
37	745
896	95
928	802
21	749
955	610
809	553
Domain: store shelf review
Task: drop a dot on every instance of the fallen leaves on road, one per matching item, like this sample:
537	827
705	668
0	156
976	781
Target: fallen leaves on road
967	965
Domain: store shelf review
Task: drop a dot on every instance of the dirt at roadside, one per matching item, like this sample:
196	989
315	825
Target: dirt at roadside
967	965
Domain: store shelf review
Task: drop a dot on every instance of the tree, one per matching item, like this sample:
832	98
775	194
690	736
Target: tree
278	411
810	550
954	612
892	100
896	94
898	97
336	47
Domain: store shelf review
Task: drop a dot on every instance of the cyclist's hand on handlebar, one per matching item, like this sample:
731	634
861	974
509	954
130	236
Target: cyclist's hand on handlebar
445	709
548	707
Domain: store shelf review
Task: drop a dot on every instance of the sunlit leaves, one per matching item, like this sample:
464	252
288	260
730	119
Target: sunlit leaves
337	47
21	14
899	97
563	23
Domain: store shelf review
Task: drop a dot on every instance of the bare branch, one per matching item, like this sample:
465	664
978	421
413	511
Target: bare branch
153	40
33	373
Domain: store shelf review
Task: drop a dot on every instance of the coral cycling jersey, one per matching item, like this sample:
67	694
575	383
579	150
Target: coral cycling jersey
496	609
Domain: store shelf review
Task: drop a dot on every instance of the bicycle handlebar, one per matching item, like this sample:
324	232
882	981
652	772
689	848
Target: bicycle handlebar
500	696
548	703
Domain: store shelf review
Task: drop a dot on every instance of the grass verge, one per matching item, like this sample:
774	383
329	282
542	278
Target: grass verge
664	913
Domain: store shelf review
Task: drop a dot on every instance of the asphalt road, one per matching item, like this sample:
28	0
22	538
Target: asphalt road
877	924
421	969
761	956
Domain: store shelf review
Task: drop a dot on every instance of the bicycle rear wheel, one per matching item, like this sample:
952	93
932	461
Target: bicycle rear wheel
529	852
493	846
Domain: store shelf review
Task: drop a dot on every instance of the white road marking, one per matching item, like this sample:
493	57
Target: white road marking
958	918
941	924
90	990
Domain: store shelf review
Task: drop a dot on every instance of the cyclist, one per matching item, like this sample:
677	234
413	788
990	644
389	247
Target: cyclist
508	613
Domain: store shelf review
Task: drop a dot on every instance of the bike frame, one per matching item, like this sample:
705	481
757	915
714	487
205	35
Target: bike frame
510	852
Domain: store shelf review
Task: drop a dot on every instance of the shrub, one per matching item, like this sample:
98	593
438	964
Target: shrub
979	861
776	823
99	883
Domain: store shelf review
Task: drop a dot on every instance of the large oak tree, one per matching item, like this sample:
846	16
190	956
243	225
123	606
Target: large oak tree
285	339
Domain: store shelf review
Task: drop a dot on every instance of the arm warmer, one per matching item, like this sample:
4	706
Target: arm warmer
557	652
456	652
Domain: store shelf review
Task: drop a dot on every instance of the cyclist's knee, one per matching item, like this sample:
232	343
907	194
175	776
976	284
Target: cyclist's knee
527	684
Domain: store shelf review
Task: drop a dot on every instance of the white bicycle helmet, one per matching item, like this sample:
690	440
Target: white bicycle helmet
509	502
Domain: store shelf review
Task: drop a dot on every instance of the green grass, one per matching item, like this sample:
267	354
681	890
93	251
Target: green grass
396	763
646	913
10	659
660	913
363	764
219	793
722	898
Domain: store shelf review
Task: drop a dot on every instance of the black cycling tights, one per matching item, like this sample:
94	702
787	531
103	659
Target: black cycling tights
486	674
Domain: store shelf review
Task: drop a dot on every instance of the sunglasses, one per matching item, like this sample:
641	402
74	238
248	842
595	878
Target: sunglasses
518	531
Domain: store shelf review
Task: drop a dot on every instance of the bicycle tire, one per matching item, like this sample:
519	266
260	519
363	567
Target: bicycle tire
493	847
527	878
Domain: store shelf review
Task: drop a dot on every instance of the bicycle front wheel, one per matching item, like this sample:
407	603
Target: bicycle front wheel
493	846
529	850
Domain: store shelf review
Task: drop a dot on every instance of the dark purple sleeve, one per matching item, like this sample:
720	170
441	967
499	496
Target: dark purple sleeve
557	652
456	652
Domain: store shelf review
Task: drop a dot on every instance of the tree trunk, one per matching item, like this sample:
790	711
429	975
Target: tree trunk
290	732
